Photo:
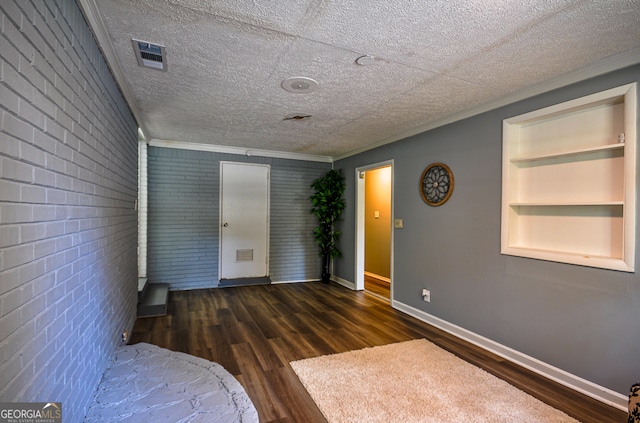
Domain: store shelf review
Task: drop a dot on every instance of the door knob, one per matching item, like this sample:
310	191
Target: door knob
225	224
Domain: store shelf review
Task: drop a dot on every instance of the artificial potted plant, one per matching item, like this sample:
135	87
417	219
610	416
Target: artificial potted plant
328	205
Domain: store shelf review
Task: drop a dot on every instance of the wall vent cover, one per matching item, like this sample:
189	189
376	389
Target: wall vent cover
244	255
150	55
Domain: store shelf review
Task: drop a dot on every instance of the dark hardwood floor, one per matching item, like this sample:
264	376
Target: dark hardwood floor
255	331
377	286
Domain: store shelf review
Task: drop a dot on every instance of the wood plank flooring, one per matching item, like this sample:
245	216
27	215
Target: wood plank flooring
255	331
377	286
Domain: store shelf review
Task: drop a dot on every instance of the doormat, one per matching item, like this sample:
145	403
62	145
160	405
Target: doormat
225	283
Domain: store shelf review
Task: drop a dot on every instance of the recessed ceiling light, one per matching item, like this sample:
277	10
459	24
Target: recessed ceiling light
365	60
299	85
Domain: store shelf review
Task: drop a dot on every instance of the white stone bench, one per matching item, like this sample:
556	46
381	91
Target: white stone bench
146	383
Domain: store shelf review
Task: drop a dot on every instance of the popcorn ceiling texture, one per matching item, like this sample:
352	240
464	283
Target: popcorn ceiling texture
226	60
68	183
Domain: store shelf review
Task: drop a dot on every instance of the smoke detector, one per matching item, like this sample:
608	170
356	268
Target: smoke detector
299	85
150	55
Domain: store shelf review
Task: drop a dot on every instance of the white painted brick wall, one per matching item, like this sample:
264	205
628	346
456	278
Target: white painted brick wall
68	166
142	209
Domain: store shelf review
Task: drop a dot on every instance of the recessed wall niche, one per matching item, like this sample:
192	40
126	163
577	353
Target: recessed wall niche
569	181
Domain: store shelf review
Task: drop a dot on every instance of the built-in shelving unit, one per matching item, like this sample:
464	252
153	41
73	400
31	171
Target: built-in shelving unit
568	181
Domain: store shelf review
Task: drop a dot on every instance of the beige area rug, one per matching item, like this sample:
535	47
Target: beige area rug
414	381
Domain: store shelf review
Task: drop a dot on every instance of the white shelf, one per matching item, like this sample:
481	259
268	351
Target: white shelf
568	188
574	204
569	153
571	258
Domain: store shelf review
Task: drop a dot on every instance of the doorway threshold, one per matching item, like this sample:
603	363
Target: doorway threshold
263	280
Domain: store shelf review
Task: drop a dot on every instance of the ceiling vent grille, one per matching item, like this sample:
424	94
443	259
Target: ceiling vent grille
150	55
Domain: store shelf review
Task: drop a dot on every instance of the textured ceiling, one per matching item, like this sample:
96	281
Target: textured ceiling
435	59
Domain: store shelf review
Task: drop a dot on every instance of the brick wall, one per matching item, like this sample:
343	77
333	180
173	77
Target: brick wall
293	251
68	162
184	217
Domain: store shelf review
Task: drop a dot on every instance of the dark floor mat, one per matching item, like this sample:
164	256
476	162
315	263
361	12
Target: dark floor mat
264	280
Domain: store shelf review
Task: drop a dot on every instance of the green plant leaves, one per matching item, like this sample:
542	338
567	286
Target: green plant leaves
327	206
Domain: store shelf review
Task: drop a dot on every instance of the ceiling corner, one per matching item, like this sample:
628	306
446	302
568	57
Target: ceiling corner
96	24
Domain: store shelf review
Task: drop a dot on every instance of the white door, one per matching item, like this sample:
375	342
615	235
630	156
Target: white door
244	220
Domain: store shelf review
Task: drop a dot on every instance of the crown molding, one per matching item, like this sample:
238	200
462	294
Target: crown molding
98	28
238	150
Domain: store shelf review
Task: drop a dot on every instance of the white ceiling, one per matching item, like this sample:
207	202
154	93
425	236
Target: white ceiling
436	61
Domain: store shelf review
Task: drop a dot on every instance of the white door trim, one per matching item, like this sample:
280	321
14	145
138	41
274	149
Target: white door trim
359	241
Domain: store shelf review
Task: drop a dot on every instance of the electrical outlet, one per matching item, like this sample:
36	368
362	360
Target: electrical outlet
125	336
426	295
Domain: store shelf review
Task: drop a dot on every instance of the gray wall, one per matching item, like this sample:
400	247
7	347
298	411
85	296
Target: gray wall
583	320
184	217
68	148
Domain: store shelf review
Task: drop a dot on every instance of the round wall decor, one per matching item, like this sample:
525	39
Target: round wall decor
436	184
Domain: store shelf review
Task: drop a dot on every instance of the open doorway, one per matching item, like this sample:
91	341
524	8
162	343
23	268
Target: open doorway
374	233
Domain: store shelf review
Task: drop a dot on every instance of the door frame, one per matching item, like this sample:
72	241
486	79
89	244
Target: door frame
220	216
360	228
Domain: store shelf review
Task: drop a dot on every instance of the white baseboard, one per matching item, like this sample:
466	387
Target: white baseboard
344	282
569	380
297	281
336	279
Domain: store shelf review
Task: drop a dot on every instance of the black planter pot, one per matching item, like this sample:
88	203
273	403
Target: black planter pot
326	273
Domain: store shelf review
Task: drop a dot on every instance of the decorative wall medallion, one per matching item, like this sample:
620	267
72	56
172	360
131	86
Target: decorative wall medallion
436	184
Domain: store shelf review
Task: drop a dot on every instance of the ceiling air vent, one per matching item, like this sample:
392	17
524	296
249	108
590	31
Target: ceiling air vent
150	55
